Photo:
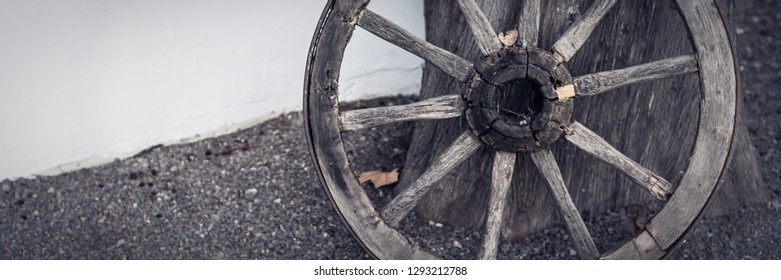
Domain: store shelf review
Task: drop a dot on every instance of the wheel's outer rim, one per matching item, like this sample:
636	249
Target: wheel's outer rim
717	106
738	111
320	93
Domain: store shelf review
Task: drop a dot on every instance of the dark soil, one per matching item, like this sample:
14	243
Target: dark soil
254	194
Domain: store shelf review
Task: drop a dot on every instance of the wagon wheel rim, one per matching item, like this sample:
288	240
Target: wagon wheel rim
375	229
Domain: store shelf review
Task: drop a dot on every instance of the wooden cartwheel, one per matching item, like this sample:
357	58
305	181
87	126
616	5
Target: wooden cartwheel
512	57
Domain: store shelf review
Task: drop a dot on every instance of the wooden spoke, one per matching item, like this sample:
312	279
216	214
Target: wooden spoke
464	146
597	83
480	27
448	62
441	107
590	142
529	24
581	238
578	33
501	176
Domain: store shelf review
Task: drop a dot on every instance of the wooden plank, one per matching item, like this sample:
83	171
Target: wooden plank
581	238
529	23
597	83
642	247
448	62
626	251
578	33
717	122
647	247
480	27
324	137
501	177
591	143
441	107
463	147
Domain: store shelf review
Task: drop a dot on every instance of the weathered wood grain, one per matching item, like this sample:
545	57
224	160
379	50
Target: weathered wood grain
581	238
593	144
743	184
501	177
324	137
529	23
380	240
580	31
464	146
446	28
446	61
442	107
717	122
642	247
629	35
485	36
597	83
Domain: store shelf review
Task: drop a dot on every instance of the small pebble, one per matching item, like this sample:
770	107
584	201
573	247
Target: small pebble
278	200
457	244
250	193
776	204
119	243
434	224
6	188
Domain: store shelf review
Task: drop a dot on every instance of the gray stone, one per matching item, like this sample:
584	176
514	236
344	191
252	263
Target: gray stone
775	204
250	193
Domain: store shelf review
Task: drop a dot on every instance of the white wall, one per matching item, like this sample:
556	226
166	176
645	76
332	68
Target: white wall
85	81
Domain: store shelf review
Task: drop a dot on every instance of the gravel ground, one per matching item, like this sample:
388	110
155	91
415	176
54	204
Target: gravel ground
253	194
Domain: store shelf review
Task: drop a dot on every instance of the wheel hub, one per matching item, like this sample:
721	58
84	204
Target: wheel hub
519	99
